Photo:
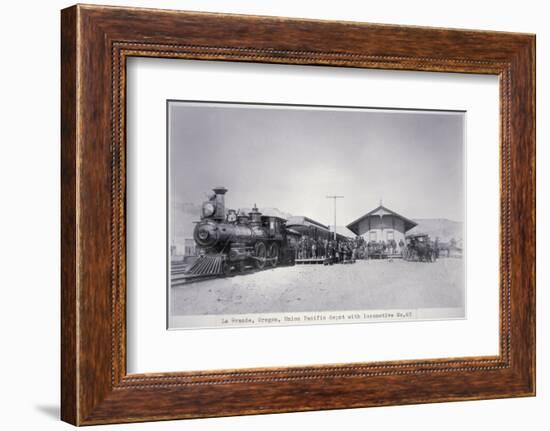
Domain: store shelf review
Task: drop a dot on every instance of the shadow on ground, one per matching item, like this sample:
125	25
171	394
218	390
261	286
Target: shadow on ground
52	411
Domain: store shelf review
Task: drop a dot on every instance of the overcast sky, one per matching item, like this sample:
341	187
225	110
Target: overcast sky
291	159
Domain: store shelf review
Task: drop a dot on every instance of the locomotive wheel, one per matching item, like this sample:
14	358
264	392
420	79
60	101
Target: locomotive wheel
273	255
260	253
240	266
226	269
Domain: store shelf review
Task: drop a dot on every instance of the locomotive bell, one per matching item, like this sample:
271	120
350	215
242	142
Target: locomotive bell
242	218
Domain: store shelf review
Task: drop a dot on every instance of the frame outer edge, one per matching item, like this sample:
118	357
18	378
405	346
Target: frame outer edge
533	54
69	201
523	251
530	63
87	397
532	202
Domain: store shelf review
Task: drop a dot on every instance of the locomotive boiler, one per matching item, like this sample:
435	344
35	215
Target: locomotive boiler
229	241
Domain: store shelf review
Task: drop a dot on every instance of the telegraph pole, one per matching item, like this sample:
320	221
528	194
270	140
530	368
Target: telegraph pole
334	197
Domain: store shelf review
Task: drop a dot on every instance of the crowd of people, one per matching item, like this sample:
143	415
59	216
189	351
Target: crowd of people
378	249
346	249
330	250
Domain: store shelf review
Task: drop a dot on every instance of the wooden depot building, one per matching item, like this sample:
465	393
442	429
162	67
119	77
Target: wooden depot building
381	224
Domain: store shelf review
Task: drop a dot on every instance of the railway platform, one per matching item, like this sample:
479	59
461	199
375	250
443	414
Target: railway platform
310	261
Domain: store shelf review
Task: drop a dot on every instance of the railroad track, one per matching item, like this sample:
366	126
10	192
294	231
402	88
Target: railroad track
182	281
205	268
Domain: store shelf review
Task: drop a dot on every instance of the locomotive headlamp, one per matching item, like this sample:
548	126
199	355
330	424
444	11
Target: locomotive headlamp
208	209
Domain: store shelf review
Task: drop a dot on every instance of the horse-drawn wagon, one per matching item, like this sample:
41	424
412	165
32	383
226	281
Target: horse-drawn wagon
419	248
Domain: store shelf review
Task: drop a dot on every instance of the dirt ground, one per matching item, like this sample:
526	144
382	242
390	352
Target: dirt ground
374	284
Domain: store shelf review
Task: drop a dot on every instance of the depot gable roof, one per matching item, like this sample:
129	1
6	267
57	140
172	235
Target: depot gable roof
380	211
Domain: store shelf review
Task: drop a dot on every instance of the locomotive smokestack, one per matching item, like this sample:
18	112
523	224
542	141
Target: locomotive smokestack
220	202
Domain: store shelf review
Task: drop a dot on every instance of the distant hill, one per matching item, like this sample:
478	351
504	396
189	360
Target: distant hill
442	228
185	214
272	212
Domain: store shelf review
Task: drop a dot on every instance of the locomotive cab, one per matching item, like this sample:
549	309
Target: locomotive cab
273	225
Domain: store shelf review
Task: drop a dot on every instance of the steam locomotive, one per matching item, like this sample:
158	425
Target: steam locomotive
229	241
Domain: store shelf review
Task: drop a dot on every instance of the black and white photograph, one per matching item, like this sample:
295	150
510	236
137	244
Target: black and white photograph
300	215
